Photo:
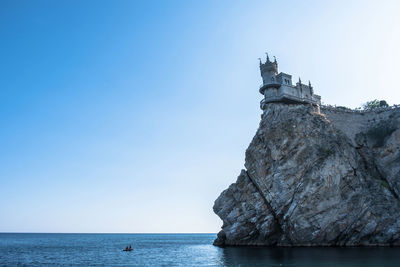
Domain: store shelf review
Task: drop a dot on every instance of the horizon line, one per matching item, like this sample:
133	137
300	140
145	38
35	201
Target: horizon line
155	233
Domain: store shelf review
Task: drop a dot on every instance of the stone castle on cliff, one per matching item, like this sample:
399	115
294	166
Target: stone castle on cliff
279	88
314	175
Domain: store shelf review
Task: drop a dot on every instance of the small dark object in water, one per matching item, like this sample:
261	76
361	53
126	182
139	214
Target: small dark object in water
128	248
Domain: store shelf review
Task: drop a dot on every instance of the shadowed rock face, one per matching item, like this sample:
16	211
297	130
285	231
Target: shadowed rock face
308	183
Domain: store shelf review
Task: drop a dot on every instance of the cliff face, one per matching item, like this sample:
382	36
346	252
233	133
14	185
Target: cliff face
315	179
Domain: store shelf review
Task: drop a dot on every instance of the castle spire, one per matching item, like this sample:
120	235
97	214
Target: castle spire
267	57
260	61
275	60
299	81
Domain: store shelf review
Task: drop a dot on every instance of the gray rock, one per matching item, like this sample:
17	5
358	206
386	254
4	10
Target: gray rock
310	181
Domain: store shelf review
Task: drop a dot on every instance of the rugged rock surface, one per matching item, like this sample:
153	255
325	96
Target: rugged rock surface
313	180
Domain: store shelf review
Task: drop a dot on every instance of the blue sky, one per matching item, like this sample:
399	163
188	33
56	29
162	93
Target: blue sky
128	116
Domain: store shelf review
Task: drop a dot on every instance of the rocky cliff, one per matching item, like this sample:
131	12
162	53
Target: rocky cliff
316	179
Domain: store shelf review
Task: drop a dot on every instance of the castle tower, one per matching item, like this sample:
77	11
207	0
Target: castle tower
269	71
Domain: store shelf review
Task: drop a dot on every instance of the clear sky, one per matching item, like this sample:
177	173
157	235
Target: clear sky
128	116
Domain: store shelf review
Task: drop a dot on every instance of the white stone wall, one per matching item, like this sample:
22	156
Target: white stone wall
271	92
283	77
305	91
289	90
267	77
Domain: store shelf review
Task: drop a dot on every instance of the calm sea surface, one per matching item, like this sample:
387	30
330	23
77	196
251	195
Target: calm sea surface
173	250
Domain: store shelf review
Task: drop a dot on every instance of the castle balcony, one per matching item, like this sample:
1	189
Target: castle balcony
268	85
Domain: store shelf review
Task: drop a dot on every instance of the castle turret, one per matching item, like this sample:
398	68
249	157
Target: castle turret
269	70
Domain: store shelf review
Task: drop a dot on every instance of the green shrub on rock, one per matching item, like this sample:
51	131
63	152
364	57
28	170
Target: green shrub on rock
375	104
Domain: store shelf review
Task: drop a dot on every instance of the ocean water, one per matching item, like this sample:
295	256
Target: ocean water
173	250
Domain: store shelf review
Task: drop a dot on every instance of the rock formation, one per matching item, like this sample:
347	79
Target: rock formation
311	178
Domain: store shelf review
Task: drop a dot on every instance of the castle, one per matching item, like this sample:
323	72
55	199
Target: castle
278	87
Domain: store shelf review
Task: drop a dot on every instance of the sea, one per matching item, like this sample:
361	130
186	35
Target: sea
25	249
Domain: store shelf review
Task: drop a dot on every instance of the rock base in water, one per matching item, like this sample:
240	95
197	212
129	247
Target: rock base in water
312	179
